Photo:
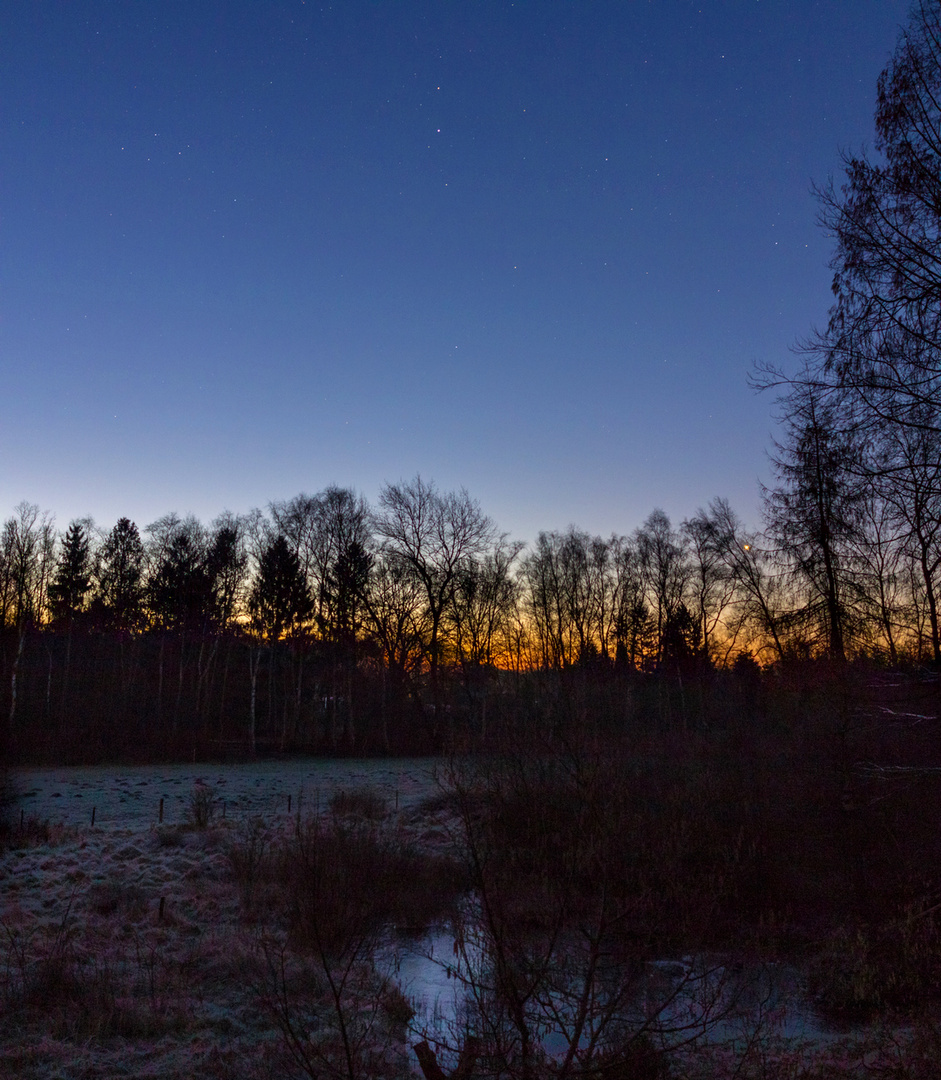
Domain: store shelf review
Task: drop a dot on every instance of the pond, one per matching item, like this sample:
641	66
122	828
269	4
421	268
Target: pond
686	1002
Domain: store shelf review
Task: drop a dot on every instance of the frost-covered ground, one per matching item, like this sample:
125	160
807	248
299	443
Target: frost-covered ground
130	797
125	950
127	939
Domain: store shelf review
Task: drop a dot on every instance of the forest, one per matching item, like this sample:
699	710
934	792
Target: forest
324	624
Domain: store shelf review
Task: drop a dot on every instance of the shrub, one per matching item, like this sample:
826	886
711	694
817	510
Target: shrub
342	881
249	857
202	805
168	836
113	896
339	884
27	832
7	801
358	802
397	1006
863	971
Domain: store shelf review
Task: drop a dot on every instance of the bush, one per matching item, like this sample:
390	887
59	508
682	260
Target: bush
358	802
344	881
338	879
249	857
864	971
202	805
339	885
113	896
51	980
27	832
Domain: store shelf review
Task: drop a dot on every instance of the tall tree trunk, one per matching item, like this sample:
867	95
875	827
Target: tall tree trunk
66	674
932	599
160	682
254	659
14	671
179	684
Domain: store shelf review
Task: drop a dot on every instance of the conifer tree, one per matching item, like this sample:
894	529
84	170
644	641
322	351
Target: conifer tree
72	580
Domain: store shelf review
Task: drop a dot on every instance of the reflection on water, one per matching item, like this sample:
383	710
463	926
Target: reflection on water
691	1000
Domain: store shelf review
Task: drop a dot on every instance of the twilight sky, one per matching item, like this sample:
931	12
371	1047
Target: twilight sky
249	249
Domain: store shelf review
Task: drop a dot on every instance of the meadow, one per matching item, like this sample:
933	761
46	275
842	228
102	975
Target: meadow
752	900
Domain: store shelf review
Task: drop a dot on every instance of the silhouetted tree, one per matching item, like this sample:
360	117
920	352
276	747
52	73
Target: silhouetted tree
634	632
711	585
909	479
179	594
119	585
72	580
570	596
322	529
345	598
347	584
480	618
682	641
812	514
547	607
68	591
663	559
883	341
757	601
331	535
279	602
874	373
432	535
398	625
881	558
226	566
27	544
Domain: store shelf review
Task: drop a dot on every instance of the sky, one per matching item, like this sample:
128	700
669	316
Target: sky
529	249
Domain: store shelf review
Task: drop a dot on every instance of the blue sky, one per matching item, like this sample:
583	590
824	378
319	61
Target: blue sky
530	249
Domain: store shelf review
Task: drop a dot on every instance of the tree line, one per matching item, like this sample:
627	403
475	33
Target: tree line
326	623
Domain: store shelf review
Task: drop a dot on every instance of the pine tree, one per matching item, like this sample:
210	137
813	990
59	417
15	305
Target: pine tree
72	580
120	591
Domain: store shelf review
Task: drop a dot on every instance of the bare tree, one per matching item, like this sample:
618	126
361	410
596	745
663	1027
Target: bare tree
27	544
433	536
711	584
323	529
480	617
546	604
398	625
279	604
571	596
813	511
757	597
909	481
663	556
874	373
553	943
883	341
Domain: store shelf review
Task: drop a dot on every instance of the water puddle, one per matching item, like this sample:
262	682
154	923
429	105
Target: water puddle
680	1002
